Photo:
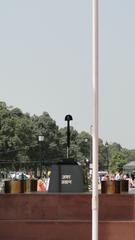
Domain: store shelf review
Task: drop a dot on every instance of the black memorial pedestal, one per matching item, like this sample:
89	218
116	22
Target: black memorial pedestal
66	176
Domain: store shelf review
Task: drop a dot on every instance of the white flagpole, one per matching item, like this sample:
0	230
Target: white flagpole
95	119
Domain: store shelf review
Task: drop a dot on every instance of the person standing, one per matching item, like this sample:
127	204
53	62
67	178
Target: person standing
41	185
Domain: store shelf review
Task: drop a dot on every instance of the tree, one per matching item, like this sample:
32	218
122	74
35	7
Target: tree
117	162
19	134
83	143
16	135
46	126
103	154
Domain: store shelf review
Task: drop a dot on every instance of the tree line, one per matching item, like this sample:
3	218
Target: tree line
20	146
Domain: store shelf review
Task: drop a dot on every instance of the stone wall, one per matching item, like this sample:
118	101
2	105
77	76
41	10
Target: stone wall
53	216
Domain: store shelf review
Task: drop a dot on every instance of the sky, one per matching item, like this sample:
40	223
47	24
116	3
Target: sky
45	63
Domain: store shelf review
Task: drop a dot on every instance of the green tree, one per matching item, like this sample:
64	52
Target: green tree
46	126
16	135
117	162
103	155
84	146
19	141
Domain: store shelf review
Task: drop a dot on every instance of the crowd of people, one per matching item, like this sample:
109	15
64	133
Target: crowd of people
42	181
120	176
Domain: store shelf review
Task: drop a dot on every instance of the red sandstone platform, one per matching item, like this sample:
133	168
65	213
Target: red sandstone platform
65	216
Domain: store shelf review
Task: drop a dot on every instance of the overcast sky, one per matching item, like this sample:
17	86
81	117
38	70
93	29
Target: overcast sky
45	63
